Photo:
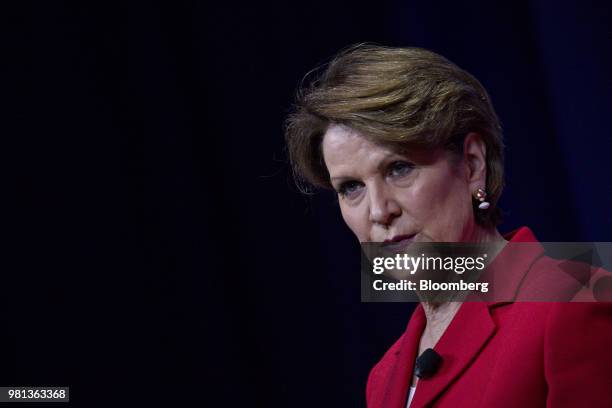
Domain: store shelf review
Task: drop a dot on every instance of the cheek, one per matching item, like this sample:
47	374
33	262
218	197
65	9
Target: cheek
423	200
438	202
355	220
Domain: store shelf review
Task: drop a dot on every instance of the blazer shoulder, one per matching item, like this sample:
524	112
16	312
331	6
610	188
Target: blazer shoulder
578	355
565	280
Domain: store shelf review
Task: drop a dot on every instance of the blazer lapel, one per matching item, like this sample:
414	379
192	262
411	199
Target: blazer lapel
508	270
464	338
467	334
396	391
473	326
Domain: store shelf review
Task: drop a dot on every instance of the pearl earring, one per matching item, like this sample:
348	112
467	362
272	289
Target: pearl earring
480	196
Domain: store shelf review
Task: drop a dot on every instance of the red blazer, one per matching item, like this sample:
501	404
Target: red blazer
502	354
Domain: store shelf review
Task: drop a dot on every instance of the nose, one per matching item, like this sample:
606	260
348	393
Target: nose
383	206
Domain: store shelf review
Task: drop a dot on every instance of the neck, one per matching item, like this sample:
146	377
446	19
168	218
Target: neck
438	319
485	235
441	312
438	314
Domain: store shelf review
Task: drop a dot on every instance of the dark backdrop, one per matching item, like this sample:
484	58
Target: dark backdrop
160	252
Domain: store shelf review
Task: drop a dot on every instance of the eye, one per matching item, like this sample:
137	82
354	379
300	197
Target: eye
400	168
349	189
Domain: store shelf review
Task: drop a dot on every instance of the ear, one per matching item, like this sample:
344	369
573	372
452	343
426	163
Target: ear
475	156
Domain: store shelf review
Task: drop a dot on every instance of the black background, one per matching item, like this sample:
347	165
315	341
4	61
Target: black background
159	251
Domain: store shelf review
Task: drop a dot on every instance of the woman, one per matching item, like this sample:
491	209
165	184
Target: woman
413	147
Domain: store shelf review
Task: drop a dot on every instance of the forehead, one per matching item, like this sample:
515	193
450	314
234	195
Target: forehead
346	149
343	146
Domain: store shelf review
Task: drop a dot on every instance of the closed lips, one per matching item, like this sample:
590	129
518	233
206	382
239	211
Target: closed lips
399	238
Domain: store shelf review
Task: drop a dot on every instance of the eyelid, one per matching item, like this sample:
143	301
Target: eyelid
408	165
341	190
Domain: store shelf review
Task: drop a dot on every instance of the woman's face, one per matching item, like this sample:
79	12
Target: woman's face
416	196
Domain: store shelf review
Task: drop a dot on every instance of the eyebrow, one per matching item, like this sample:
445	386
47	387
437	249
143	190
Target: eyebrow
341	178
383	163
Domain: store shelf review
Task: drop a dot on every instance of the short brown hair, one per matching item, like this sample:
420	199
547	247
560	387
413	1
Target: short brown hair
401	96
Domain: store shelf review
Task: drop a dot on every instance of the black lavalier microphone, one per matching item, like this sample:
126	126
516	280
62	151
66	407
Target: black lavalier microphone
427	364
